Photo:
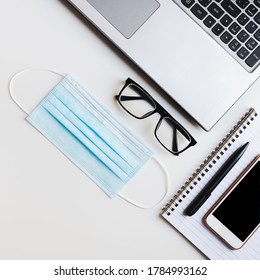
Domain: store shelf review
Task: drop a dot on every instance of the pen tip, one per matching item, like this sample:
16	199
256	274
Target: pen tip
247	143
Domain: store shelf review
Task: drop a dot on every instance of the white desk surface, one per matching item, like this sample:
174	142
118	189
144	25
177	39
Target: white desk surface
49	209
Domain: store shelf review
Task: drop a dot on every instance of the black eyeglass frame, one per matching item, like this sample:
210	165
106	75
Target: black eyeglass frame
157	109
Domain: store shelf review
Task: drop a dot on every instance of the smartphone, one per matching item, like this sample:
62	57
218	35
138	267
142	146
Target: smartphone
236	215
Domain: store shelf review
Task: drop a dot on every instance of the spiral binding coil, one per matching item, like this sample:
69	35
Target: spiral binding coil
206	165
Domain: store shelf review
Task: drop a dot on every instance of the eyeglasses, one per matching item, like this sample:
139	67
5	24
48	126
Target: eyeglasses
140	104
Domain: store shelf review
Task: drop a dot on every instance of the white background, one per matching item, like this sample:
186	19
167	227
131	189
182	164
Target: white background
49	209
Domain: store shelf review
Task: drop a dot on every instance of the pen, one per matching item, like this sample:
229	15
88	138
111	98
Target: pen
214	181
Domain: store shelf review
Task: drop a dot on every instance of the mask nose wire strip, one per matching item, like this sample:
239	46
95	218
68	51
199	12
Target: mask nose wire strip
165	193
10	86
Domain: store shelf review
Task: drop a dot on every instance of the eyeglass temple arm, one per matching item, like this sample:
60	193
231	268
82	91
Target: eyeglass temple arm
128	98
174	140
132	98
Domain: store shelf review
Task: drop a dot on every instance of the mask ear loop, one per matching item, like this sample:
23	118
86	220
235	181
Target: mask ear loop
165	193
11	92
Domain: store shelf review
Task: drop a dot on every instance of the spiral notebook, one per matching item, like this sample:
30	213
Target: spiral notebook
246	130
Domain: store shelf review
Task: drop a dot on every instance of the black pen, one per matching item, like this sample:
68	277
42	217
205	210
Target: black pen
214	181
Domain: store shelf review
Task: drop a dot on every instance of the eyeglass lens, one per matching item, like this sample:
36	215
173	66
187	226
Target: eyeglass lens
170	137
136	101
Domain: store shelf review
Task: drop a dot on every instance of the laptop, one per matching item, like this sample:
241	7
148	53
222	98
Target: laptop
203	53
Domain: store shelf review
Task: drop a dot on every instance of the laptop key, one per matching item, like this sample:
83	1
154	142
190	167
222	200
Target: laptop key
257	35
257	18
215	10
217	29
251	44
243	19
198	11
251	27
226	37
234	45
251	10
230	8
209	21
187	3
253	58
243	36
205	3
243	53
257	3
242	3
234	28
226	20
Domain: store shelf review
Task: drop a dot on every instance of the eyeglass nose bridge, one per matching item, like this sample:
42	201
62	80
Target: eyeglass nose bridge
161	111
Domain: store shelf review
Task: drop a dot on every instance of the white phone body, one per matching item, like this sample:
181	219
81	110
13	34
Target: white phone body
236	215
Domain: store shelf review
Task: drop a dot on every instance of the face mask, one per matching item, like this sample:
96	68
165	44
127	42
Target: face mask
88	134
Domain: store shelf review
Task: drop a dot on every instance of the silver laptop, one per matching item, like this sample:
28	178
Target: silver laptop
203	53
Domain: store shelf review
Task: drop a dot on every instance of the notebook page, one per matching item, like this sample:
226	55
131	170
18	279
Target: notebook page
192	227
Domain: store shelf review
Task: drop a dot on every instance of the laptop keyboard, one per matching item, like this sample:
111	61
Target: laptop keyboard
235	25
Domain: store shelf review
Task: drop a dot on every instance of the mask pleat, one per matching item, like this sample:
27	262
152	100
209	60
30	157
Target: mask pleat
85	141
87	126
97	122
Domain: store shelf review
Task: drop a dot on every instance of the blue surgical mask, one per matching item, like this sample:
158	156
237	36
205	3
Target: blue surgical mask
90	136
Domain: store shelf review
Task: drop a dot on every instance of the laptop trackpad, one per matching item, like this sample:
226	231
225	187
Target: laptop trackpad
126	16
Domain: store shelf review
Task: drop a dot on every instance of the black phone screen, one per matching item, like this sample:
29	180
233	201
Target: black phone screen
240	210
